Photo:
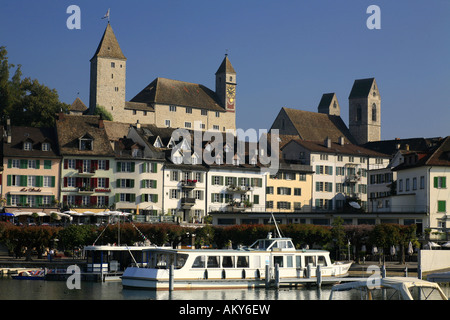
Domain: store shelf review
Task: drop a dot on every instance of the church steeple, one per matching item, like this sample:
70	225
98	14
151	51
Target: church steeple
108	75
226	85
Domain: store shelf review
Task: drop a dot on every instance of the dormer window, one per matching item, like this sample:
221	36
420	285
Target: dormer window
27	146
46	146
86	142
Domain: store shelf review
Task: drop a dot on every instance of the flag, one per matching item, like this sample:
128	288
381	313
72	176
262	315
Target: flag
106	15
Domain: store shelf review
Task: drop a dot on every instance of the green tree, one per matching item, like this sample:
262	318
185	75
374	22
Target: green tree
338	235
26	102
106	115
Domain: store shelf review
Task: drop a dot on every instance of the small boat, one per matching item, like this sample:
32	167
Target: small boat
391	288
229	268
30	275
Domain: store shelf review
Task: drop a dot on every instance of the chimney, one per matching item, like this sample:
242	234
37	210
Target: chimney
8	130
138	125
101	124
341	141
327	142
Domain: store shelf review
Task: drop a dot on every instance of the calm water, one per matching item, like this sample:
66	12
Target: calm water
11	289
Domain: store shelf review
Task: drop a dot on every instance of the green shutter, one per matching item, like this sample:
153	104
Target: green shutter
144	167
53	181
8	199
23	181
8	180
142	183
153	184
47	164
38	163
118	166
132	166
256	199
23	164
39	200
441	206
117	197
443	182
132	197
435	182
39	181
132	183
9	163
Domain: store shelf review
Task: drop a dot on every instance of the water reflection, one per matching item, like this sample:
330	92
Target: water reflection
57	290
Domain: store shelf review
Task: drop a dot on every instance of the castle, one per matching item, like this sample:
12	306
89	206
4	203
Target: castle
164	102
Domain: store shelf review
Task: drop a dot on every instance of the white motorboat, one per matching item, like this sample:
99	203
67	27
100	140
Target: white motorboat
391	288
227	268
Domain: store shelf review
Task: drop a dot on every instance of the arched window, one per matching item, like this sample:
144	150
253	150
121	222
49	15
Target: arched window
374	112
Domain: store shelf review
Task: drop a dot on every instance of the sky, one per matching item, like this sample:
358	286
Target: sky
286	53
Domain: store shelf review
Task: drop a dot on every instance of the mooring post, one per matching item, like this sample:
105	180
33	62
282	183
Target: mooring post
319	276
171	277
277	276
419	265
267	277
383	271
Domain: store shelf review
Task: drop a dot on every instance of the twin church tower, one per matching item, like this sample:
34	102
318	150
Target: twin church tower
164	102
178	104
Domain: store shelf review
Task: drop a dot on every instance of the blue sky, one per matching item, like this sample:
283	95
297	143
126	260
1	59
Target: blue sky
286	53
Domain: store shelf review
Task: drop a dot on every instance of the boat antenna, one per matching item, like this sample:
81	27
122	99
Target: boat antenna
276	226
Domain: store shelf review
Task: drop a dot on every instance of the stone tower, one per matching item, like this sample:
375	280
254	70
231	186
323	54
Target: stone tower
108	75
365	111
226	85
329	105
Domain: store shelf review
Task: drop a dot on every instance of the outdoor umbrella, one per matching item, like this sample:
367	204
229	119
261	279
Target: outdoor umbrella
7	214
392	251
374	250
410	248
446	245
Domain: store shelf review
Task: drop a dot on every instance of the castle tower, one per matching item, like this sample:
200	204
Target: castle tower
108	75
365	111
329	105
226	85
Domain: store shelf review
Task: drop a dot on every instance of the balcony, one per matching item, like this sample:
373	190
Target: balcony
86	190
187	203
238	189
188	184
352	178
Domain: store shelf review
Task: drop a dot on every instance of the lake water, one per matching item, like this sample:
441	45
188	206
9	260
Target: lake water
11	289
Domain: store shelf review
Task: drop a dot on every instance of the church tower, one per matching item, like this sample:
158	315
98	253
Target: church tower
226	85
365	111
329	105
108	76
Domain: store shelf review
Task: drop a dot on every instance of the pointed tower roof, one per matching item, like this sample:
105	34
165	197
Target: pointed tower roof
226	66
109	46
361	88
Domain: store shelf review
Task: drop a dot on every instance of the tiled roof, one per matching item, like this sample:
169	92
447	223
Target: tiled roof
314	126
109	46
78	105
70	128
179	93
37	136
346	148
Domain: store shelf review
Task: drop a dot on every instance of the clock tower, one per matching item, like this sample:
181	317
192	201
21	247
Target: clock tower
226	85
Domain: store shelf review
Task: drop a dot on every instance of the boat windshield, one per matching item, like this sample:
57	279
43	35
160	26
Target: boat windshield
163	260
262	244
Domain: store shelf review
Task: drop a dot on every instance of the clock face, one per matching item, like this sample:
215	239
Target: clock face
231	91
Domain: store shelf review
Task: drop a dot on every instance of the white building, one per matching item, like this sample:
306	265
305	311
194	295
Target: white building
341	171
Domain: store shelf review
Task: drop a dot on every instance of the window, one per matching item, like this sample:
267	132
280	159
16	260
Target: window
27	146
32	164
113	64
173	108
86	144
204	112
47	181
101	183
71	182
269	204
45	146
217	114
407	184
187	125
297	191
374	112
414	184
167	123
71	163
188	110
284	191
269	190
323	157
31	181
440	182
283	205
216	127
422	182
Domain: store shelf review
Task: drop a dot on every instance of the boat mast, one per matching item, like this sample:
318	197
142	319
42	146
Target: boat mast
276	226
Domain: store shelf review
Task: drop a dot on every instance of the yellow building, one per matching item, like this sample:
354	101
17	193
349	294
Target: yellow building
290	190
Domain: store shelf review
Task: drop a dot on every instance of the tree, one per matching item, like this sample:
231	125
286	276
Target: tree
338	234
26	102
101	111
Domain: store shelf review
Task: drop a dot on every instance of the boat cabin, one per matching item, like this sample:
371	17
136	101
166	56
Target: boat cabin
273	244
